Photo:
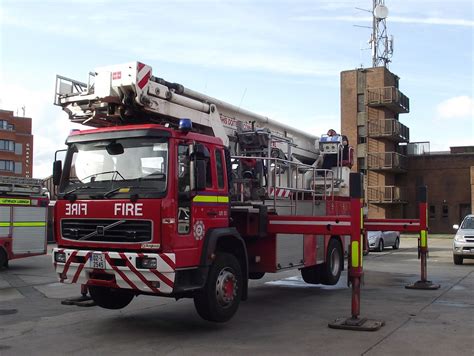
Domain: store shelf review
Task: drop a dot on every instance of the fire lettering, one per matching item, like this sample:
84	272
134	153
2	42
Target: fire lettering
76	209
128	209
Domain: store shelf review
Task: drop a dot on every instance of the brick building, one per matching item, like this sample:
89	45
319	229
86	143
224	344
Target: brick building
393	168
371	103
449	177
16	145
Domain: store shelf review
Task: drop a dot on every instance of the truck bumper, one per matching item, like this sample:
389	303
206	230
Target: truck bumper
116	269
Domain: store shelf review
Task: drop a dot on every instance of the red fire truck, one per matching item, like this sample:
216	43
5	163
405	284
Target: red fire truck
175	193
23	218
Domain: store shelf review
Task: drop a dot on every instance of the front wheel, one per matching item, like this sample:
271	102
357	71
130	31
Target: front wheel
457	259
3	258
332	268
380	246
110	298
220	298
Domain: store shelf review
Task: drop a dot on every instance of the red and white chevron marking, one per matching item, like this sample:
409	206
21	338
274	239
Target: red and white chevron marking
122	266
279	193
143	75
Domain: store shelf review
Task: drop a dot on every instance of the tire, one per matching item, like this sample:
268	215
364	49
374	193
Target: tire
220	298
332	268
311	275
457	259
256	275
111	298
3	258
396	245
380	246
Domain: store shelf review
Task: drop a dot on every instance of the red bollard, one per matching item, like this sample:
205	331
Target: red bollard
355	270
423	283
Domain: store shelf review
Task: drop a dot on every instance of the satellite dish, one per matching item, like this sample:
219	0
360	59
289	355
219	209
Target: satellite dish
381	12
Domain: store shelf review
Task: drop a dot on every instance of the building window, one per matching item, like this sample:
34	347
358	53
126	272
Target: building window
4	125
7	145
432	212
7	166
361	139
444	211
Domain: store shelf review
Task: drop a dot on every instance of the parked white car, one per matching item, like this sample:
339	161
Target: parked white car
463	244
378	240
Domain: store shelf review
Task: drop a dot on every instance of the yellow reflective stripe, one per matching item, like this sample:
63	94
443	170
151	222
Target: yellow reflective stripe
205	199
4	224
15	201
361	249
355	254
29	224
210	199
361	218
222	199
424	238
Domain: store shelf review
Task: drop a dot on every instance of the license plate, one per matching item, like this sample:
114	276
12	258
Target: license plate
97	261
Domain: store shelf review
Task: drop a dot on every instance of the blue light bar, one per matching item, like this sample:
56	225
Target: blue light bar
185	125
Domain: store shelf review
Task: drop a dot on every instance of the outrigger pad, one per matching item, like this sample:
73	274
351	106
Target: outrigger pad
357	324
82	301
427	285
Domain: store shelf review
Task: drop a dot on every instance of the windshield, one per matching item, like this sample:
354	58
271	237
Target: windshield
468	223
114	167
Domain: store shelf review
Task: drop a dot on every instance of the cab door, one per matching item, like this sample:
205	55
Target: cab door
204	206
210	203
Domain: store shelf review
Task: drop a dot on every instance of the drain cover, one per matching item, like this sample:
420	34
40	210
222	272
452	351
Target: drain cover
8	311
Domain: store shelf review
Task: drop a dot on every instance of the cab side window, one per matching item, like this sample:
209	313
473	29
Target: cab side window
220	169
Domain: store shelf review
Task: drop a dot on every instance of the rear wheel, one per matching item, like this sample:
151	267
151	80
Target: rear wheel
3	258
256	275
311	275
380	246
396	245
332	268
220	298
111	298
457	259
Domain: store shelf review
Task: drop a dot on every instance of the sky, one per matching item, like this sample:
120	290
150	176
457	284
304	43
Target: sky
279	58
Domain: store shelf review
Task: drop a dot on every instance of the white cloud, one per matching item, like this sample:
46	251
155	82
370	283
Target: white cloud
243	41
50	125
395	19
459	107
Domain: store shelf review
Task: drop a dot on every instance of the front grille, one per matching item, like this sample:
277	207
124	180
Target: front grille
106	230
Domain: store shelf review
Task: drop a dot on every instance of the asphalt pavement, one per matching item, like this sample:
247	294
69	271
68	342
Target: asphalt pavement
282	316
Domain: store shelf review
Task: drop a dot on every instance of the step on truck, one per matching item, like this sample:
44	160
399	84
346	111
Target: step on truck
173	193
23	218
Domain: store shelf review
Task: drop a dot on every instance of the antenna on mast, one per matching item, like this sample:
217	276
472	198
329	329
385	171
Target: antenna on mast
381	44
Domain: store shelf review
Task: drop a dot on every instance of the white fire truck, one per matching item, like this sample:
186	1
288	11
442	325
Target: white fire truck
23	218
175	193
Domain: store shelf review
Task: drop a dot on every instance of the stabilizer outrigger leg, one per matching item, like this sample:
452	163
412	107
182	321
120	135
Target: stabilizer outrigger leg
355	271
83	301
423	283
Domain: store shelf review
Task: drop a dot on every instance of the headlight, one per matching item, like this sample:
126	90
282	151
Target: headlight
60	257
459	238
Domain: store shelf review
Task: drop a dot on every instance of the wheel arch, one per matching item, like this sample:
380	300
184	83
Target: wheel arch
226	240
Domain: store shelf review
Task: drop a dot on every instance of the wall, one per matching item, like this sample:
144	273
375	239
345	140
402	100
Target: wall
450	182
